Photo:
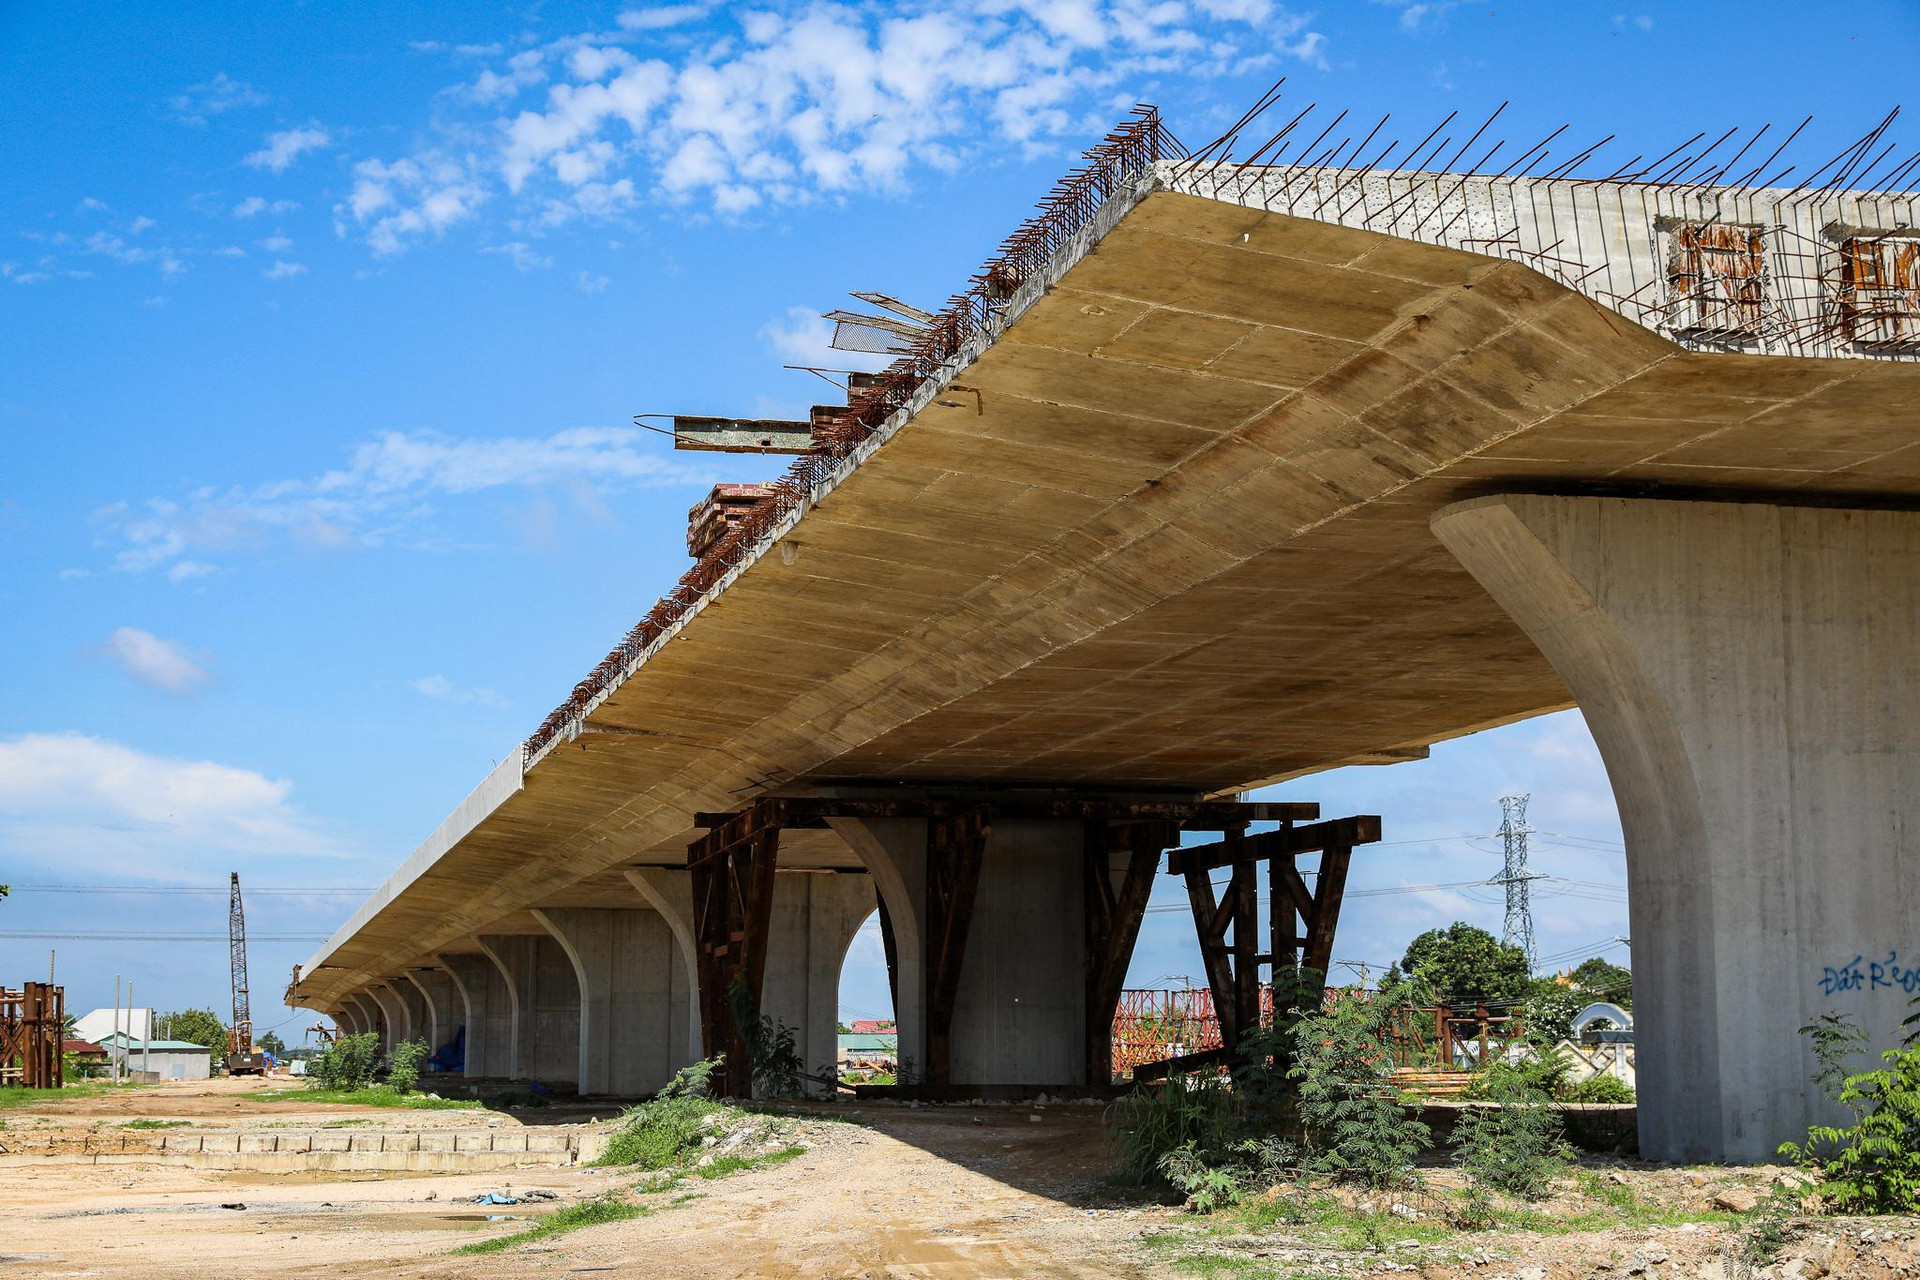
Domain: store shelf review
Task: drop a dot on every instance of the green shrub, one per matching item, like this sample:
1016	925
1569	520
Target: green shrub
1600	1088
349	1063
404	1061
1157	1119
665	1132
1873	1164
1513	1145
773	1055
1355	1127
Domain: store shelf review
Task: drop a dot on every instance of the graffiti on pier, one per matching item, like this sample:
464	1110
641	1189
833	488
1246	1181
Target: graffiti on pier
1861	974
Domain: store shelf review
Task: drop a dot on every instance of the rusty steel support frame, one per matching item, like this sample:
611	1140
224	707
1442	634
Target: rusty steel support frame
956	847
1301	927
32	1021
732	869
733	865
1113	923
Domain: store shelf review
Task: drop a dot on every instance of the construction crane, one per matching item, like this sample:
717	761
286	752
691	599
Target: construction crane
242	1058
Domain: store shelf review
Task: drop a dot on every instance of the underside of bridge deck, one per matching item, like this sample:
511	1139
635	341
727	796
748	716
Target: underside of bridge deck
1169	533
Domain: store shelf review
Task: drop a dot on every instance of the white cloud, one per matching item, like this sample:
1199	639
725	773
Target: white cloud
156	663
92	204
92	805
253	205
804	336
591	283
187	570
441	689
286	146
660	16
521	254
799	104
284	270
400	202
382	495
216	97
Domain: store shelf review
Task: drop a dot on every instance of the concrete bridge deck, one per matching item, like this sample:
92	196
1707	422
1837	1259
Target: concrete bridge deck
1172	531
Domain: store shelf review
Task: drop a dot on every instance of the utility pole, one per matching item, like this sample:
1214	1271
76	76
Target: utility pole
1514	830
113	1062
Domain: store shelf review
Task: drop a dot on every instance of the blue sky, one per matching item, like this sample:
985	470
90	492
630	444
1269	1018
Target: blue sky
323	326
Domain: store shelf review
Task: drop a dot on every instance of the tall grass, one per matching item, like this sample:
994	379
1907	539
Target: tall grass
1157	1119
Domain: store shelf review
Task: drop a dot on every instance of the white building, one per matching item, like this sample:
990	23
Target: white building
164	1059
101	1024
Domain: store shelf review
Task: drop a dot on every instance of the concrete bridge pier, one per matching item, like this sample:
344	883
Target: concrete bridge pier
1751	674
634	995
669	891
346	1019
419	1011
368	1015
445	1014
488	1014
1018	997
395	1025
546	1002
815	915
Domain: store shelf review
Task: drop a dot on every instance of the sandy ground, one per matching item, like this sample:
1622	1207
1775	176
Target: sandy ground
939	1193
907	1192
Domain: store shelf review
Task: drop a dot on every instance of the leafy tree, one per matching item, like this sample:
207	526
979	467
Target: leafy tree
1463	965
273	1044
1606	980
844	1029
199	1026
348	1063
1551	1006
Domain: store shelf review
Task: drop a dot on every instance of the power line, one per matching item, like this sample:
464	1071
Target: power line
183	888
95	935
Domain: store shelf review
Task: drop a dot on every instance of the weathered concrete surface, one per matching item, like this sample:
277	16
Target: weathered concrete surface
633	997
1019	1014
815	915
1751	674
445	1011
394	1025
670	893
489	1014
546	1005
419	1013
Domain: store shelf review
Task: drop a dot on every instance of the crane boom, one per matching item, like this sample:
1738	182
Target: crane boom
242	1058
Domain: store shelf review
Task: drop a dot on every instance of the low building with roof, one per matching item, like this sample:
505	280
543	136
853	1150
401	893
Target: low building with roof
159	1059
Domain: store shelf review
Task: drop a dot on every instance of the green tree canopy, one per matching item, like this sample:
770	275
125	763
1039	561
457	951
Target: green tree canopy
1463	965
273	1044
1606	980
200	1026
1552	1004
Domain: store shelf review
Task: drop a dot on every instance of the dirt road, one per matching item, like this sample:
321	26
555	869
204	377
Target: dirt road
905	1192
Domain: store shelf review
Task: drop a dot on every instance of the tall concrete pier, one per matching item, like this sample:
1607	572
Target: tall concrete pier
1304	467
